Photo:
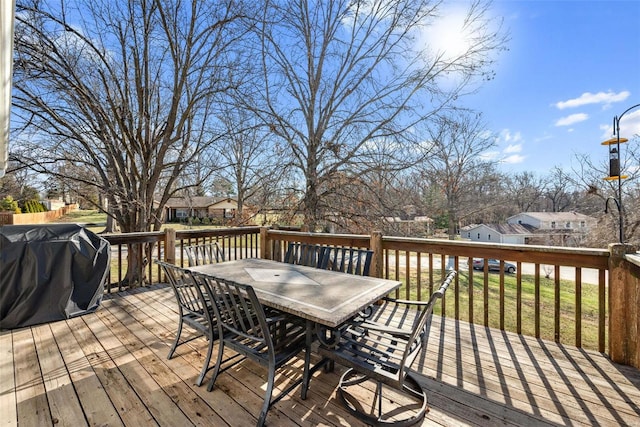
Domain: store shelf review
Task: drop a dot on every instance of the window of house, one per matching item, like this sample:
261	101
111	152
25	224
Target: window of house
583	224
567	225
478	236
553	224
488	236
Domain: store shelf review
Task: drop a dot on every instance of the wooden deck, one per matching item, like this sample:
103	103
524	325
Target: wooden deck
109	368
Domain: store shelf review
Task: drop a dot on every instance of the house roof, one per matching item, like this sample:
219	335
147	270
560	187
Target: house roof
505	229
554	216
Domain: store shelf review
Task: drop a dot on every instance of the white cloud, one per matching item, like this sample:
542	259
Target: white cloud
508	137
514	159
513	148
593	98
629	126
573	118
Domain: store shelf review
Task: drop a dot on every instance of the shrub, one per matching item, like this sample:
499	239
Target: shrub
33	206
9	205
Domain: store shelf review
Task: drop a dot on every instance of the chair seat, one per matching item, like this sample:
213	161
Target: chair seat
288	334
382	347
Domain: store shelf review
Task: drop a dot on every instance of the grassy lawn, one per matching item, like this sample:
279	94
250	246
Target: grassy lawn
96	217
567	297
84	216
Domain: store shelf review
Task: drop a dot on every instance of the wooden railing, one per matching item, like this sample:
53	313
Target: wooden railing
236	243
556	293
482	297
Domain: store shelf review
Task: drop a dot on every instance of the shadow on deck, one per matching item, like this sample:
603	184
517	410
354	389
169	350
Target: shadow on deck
110	368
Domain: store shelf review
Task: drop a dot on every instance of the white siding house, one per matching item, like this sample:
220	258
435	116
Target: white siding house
550	221
497	233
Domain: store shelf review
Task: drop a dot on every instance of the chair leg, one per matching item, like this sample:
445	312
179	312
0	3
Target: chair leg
267	396
175	342
411	388
205	367
216	370
306	377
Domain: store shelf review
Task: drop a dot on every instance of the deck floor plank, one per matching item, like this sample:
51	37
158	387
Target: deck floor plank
176	398
63	402
130	407
31	397
92	396
110	368
7	381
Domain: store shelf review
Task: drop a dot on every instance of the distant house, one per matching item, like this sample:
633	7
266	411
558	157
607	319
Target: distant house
555	228
534	228
554	221
178	208
409	226
498	233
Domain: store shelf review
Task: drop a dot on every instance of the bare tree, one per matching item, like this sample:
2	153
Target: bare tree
589	175
458	142
527	191
126	89
254	162
341	75
558	190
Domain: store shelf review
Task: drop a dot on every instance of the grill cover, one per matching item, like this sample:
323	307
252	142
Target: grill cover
50	272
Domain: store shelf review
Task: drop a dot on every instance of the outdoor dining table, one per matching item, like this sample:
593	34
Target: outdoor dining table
323	298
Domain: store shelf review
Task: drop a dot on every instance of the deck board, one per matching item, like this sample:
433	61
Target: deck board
110	368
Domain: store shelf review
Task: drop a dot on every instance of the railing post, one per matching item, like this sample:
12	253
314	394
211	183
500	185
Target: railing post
376	261
170	245
265	244
624	312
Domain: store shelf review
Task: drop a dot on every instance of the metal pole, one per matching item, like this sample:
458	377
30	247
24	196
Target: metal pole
616	129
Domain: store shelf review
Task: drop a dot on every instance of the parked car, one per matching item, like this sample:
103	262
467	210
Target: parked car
494	264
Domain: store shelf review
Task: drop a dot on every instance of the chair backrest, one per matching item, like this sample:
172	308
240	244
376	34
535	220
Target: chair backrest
305	254
348	260
241	317
422	325
204	254
382	350
189	294
336	258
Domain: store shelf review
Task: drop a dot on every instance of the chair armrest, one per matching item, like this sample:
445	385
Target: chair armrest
405	301
367	325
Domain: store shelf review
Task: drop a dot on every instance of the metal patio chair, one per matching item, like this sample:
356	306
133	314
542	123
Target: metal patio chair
348	260
336	258
305	254
204	254
382	348
193	310
268	337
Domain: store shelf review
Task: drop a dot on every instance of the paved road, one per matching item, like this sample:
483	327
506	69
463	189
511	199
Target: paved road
589	275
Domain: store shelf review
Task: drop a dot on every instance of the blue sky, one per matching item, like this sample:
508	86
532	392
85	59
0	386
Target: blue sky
570	68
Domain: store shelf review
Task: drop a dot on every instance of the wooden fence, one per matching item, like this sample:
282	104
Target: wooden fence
10	218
